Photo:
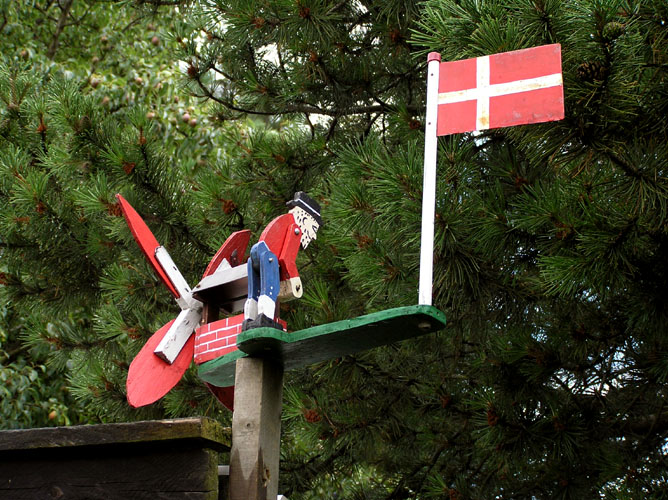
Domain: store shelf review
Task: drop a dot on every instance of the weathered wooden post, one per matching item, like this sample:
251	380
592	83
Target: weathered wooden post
256	430
256	423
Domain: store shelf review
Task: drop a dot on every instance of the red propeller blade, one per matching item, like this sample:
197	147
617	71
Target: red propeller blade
146	241
149	377
224	394
234	248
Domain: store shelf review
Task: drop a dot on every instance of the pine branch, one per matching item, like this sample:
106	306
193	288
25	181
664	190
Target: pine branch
648	425
64	14
314	467
300	108
401	490
336	7
627	167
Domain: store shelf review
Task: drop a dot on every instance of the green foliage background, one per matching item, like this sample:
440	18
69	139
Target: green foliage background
550	250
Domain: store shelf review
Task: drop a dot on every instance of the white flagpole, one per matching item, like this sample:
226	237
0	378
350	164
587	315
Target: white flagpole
429	182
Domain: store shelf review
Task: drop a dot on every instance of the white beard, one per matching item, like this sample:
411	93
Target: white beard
307	225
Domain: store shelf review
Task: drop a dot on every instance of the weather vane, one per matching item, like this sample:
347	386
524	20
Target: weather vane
231	283
231	316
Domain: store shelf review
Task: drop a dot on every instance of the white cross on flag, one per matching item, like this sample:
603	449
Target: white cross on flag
501	90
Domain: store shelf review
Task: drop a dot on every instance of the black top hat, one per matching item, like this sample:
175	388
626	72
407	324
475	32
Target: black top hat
302	200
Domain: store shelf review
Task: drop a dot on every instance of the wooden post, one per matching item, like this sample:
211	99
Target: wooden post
256	429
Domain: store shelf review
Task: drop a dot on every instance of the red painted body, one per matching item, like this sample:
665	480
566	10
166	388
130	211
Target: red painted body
283	237
236	245
219	338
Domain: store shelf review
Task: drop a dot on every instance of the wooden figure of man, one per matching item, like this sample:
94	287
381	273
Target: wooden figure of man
272	271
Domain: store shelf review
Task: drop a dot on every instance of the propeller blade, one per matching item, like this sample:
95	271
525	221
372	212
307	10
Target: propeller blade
224	394
233	250
146	241
149	377
178	334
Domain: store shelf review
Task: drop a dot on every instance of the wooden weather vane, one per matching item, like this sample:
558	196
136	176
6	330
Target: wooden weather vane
247	352
196	333
251	349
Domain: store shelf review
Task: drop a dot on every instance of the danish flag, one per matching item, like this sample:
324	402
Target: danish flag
501	90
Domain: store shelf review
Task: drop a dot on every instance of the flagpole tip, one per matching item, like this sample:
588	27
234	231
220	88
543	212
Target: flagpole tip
434	56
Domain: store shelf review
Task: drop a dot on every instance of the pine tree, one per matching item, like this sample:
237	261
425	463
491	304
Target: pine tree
101	113
550	379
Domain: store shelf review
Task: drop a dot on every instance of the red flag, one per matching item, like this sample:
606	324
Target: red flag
500	90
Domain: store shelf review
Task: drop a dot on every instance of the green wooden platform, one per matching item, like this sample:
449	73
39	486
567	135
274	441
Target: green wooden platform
320	343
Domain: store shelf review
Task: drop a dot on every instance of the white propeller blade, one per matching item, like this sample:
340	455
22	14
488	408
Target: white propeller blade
189	317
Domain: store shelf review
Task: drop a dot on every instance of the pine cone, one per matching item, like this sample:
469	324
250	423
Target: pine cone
590	71
613	30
